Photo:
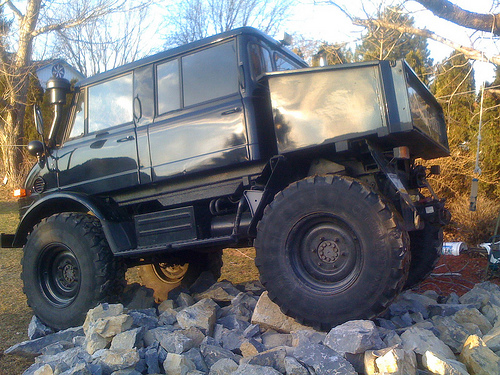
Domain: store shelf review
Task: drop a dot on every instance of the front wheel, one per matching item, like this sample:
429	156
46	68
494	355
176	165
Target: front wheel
68	269
330	250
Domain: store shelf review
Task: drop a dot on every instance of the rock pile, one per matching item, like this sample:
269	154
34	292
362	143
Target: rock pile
237	330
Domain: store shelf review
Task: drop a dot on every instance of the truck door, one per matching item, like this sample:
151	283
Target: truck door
200	123
101	152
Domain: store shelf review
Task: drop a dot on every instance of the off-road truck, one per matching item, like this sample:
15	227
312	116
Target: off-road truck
232	141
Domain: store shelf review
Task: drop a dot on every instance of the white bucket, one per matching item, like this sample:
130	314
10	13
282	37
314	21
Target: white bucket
453	248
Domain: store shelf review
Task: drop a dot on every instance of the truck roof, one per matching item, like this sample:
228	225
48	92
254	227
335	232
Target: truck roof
186	48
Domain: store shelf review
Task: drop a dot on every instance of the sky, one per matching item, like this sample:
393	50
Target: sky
329	23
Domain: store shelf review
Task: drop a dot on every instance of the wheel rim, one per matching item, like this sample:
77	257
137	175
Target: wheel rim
170	274
324	252
59	274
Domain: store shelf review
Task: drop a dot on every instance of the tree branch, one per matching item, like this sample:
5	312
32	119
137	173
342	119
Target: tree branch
13	8
468	52
453	13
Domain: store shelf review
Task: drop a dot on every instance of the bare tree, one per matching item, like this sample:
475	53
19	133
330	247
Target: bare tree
107	42
445	9
34	21
200	18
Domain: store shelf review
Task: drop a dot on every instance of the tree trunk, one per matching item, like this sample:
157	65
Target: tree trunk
12	134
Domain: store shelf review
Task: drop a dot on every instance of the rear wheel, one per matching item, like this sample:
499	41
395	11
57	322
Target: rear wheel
68	269
166	276
330	250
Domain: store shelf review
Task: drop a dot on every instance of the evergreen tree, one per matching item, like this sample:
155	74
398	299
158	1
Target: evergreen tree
454	87
387	44
490	139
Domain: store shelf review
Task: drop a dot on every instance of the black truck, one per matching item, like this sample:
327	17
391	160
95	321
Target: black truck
234	141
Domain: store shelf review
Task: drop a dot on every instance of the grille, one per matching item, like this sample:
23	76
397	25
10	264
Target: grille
39	185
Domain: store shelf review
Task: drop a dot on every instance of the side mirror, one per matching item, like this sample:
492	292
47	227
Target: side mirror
38	120
36	148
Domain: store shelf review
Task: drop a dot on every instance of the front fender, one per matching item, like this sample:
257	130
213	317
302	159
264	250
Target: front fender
117	228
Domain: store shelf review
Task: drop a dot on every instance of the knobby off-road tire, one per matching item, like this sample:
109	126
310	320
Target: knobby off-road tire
164	277
330	250
68	268
425	248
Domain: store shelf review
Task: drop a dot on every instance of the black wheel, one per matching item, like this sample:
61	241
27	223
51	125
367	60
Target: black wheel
425	247
166	276
330	250
68	269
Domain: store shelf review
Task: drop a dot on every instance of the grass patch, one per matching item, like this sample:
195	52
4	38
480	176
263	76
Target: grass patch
15	314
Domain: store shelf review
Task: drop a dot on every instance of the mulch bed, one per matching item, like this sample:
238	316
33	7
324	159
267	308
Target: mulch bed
458	274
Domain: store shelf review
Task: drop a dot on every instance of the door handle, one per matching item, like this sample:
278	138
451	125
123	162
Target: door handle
231	111
126	139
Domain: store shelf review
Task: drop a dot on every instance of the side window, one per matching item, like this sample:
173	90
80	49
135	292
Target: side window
169	98
282	63
79	119
210	74
110	103
260	60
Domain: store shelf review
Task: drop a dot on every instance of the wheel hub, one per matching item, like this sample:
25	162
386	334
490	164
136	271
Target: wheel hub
69	273
328	251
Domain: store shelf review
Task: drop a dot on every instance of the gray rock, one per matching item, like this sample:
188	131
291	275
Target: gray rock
245	299
184	300
421	340
143	319
141	298
178	364
251	347
44	370
213	353
80	369
251	331
37	329
492	339
152	360
194	334
154	335
272	339
195	355
222	291
201	315
479	359
57	347
167	317
202	283
109	327
128	340
478	297
293	367
307	336
453	299
274	358
224	366
447	309
443	366
129	371
232	339
33	348
432	294
450	332
356	336
167	304
176	342
114	360
233	322
268	315
391	338
323	360
394	360
254	286
473	316
246	369
102	311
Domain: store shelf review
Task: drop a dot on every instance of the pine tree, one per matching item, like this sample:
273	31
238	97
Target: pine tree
387	44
